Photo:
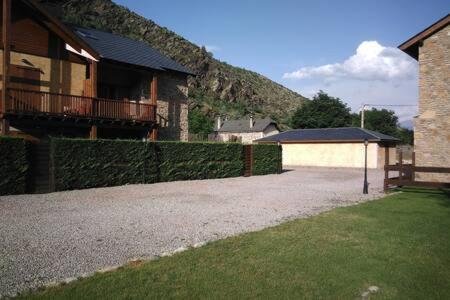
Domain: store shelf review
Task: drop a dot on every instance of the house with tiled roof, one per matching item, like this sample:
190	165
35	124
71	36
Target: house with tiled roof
243	130
65	80
431	48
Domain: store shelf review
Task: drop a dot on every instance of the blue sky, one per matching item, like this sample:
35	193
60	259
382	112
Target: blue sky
308	45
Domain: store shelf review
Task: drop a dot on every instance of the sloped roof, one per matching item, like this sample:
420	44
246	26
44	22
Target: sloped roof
125	50
347	134
243	125
411	46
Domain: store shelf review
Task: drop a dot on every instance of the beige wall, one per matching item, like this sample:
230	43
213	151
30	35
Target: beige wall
172	107
57	76
347	155
432	126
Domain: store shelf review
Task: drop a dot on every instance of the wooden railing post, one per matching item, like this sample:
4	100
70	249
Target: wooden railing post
386	168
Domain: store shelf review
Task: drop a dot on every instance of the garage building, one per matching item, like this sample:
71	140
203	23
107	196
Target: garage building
333	147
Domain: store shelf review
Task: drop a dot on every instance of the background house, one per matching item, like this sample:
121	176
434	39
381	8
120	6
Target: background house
60	79
431	48
243	130
333	147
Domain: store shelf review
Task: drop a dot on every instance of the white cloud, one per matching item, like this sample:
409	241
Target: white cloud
371	61
212	48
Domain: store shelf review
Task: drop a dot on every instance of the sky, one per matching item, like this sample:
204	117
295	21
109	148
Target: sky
346	48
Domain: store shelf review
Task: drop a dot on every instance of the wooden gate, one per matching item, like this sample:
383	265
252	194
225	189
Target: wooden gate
248	160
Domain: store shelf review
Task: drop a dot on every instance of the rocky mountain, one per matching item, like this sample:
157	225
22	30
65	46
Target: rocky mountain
219	87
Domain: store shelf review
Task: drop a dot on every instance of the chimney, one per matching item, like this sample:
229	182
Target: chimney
219	122
251	121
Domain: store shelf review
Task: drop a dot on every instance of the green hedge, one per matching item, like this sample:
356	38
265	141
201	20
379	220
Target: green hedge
266	159
81	163
189	161
14	165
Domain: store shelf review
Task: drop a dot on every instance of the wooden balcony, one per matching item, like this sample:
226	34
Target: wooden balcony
31	103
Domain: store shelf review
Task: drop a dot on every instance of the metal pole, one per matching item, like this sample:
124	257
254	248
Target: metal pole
362	115
366	185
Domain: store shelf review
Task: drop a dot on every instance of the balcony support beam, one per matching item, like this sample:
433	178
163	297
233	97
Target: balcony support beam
93	132
154	97
5	126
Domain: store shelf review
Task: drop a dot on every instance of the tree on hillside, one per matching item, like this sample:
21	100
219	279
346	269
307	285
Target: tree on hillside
323	111
381	120
384	121
199	123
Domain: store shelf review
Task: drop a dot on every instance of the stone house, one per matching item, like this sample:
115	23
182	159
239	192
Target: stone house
431	48
243	130
66	80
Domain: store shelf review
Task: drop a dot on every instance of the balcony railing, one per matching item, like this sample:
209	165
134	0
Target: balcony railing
37	102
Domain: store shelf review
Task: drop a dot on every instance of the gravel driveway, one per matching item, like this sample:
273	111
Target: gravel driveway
52	237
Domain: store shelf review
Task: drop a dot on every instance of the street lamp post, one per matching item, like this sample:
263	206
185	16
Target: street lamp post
366	184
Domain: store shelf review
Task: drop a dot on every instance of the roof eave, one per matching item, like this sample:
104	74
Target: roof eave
411	46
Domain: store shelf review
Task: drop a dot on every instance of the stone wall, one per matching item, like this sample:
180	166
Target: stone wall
172	113
432	126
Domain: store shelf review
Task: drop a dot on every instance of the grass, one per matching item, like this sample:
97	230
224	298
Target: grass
400	243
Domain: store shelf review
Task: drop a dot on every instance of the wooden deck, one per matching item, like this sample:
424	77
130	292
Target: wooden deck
25	102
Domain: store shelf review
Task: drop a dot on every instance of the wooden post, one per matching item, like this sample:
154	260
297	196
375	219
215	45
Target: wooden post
400	166
386	168
154	97
413	166
93	132
6	32
93	78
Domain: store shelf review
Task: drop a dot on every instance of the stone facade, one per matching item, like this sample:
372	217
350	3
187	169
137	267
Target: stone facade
432	126
172	113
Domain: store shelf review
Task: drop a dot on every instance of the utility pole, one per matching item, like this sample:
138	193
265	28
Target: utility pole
362	115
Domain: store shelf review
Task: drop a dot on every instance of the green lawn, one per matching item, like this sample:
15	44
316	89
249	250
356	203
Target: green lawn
400	243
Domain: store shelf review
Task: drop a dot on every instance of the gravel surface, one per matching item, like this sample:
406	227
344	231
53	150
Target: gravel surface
52	237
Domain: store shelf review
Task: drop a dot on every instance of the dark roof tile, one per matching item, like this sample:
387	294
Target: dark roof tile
243	125
122	49
329	134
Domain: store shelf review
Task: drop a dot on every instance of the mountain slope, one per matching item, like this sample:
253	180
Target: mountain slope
218	88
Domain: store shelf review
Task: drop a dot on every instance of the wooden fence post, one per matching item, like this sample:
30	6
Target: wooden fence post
386	166
413	166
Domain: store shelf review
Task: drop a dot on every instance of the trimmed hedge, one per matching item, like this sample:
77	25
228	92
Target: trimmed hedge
190	161
267	159
14	165
81	163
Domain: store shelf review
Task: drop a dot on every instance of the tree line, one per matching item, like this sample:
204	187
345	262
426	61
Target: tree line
324	111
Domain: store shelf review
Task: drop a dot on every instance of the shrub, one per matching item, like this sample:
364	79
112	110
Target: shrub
81	163
189	161
266	159
14	165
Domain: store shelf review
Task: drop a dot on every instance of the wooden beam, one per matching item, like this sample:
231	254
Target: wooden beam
93	77
154	98
93	132
386	169
5	127
6	31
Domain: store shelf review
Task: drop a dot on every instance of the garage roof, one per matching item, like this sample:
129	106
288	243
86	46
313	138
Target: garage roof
125	50
345	134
